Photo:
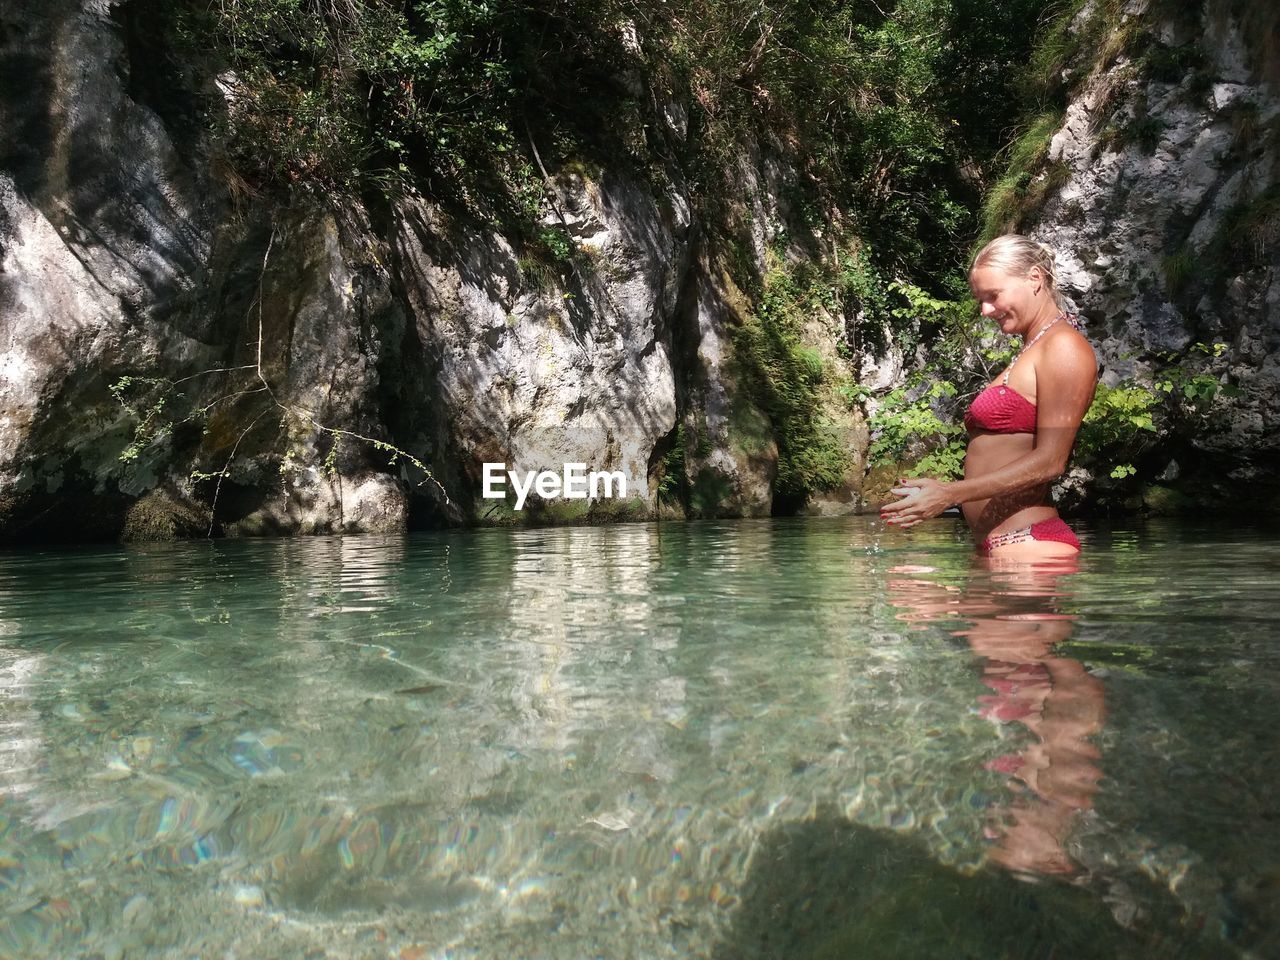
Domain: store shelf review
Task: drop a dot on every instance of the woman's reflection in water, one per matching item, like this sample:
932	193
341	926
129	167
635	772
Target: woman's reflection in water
1015	621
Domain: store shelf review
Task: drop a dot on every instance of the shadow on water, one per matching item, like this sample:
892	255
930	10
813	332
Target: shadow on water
828	887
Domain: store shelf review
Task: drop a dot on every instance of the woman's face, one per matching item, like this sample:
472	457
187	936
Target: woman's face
1012	302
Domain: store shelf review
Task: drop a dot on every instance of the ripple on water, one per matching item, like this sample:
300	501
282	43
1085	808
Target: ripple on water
556	743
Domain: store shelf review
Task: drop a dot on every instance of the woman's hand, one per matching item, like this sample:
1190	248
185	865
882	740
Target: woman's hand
921	499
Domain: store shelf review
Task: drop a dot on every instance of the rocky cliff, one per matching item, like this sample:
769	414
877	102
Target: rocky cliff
1160	190
186	353
182	357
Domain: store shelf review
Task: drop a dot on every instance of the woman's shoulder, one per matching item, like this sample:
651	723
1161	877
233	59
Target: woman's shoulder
1069	339
1068	351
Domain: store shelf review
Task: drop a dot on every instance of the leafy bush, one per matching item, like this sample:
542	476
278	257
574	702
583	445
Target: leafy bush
1119	427
915	424
1127	421
906	427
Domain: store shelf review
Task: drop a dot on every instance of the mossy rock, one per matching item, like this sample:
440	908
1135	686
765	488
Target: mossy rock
159	516
1164	501
880	480
555	513
711	494
620	510
750	432
497	513
669	510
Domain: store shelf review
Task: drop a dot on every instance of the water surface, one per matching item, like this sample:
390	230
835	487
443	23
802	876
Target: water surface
792	738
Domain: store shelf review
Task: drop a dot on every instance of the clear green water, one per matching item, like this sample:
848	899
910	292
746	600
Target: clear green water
751	739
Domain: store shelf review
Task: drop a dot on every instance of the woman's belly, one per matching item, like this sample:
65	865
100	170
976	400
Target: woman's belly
987	453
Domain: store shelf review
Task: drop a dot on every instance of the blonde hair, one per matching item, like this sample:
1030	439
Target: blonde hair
1016	255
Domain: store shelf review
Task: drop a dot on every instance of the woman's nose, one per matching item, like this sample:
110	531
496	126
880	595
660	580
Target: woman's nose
988	309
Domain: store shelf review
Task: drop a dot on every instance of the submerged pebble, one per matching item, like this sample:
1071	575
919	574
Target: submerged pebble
137	910
249	895
610	821
116	769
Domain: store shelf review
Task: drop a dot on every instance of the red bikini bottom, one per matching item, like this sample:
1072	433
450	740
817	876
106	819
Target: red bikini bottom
1052	529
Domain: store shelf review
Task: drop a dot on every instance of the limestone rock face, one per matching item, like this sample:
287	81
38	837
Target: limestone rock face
250	338
534	365
298	448
180	357
103	250
1167	224
732	460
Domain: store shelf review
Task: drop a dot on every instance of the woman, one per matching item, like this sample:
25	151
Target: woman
1022	426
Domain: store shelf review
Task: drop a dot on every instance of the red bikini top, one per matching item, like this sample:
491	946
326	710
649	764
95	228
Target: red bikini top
1000	409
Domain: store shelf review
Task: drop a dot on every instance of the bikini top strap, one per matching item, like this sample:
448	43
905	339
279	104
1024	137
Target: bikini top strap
1062	315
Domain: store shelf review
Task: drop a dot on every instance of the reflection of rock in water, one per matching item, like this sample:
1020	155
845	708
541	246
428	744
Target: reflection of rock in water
836	890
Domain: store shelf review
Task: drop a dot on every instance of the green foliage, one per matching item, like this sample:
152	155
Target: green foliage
709	492
144	400
906	426
370	96
557	243
1057	48
882	104
1191	387
932	312
1128	420
1014	195
538	273
863	297
915	424
329	93
1032	147
1179	270
705	493
672	487
861	285
1120	425
785	378
1171	64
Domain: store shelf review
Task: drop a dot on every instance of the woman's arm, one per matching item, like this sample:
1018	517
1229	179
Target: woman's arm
1065	379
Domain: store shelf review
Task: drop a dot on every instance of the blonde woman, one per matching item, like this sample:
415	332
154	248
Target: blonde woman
1023	425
